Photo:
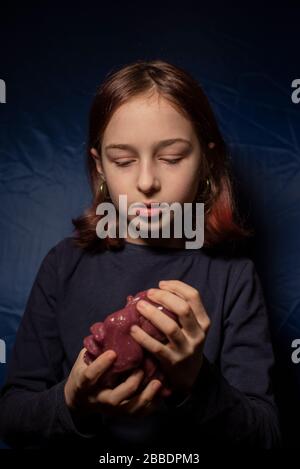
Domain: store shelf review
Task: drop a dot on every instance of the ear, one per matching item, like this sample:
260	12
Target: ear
97	160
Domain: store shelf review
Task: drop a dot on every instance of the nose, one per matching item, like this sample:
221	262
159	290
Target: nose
148	180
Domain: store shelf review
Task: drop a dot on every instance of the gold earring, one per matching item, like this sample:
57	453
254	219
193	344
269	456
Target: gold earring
103	190
207	188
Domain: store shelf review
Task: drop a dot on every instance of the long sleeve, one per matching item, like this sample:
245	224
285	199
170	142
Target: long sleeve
33	412
232	402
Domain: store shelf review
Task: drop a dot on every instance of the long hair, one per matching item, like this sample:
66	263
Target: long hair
222	222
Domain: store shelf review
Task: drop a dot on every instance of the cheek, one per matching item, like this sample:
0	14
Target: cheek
185	194
183	188
118	185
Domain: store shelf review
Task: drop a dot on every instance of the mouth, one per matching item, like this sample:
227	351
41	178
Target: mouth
147	212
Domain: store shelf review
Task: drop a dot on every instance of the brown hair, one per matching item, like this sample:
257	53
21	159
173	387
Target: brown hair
177	86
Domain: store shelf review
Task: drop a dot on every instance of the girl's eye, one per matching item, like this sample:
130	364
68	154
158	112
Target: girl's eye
123	164
174	161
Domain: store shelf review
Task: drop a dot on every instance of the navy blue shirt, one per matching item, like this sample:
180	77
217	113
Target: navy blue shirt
232	401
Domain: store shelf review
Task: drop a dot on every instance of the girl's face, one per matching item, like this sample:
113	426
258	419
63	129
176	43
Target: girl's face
150	153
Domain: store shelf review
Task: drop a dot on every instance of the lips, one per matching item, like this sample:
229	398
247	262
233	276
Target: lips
147	212
147	204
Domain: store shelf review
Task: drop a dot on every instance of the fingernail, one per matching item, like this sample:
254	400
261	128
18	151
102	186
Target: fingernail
142	303
156	385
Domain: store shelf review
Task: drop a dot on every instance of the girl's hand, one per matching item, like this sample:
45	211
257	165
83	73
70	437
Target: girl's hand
181	359
85	395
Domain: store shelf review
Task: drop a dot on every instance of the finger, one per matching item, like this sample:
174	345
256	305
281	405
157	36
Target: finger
161	351
146	399
192	296
122	391
163	322
177	305
80	362
80	359
148	408
96	369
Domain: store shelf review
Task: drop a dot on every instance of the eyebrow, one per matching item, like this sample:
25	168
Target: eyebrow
157	146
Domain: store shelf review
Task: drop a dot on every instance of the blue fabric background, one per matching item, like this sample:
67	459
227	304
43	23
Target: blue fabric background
52	59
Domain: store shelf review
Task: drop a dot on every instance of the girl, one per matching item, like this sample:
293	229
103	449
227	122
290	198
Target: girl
152	137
